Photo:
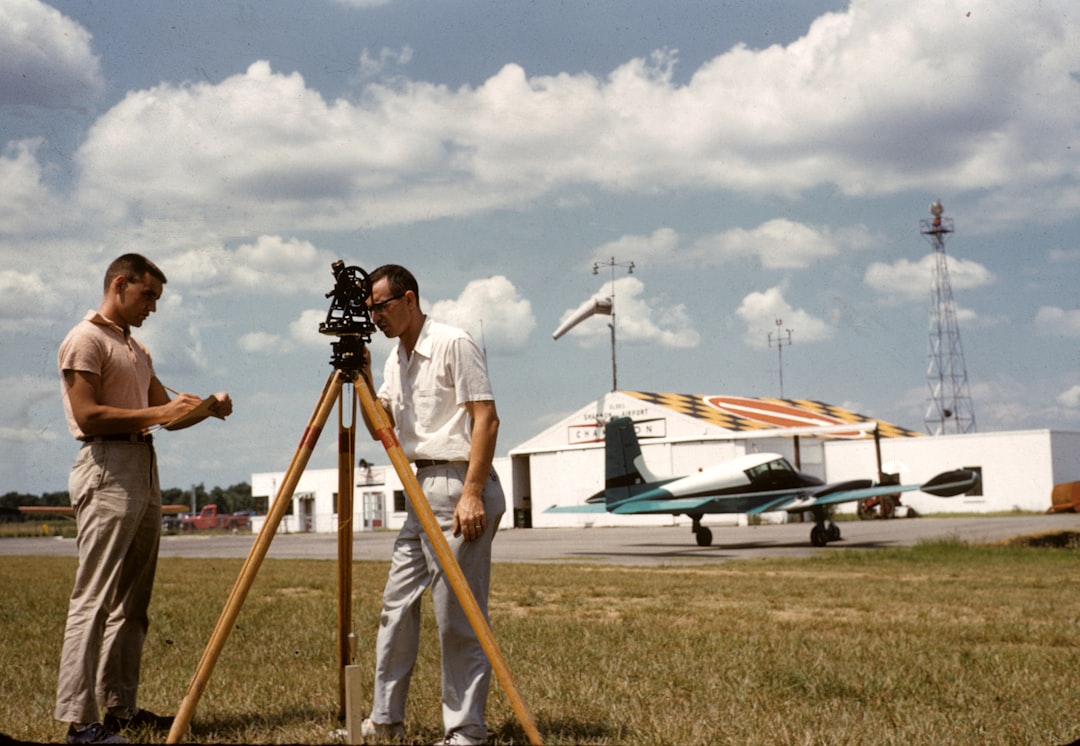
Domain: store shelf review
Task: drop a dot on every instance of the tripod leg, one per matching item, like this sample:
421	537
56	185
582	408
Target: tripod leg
385	432
243	583
346	452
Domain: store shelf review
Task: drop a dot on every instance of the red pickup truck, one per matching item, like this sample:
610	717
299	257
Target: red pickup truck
209	517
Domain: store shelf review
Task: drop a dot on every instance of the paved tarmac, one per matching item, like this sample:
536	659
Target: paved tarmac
669	545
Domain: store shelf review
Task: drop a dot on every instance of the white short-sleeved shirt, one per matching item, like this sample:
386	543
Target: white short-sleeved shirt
97	345
427	392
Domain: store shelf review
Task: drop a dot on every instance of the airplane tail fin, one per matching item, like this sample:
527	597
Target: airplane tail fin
624	467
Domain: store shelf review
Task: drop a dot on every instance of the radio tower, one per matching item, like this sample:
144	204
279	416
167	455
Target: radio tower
950	402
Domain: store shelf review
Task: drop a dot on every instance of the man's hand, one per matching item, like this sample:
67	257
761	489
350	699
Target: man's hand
470	518
223	407
180	405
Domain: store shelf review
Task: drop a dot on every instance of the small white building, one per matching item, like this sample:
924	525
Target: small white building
379	499
682	433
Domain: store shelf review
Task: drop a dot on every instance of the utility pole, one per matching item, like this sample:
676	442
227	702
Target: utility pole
780	344
629	270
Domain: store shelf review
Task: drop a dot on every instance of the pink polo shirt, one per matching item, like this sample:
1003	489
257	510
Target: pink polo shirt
97	345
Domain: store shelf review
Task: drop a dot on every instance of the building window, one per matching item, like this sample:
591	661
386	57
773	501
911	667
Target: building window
399	501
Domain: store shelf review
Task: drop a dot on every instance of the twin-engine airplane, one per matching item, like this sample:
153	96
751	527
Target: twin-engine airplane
752	484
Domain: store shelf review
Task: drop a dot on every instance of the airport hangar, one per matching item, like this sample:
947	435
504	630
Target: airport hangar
682	433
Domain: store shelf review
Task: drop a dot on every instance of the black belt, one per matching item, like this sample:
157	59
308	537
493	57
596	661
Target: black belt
427	463
119	438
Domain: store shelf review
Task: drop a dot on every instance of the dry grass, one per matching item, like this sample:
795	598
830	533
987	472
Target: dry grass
940	644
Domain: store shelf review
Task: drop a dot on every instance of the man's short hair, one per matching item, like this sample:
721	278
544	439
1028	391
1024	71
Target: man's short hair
398	279
133	267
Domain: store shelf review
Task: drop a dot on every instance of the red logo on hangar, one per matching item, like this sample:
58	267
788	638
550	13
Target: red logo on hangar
776	413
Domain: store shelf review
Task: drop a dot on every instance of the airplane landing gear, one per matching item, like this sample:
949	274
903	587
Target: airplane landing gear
701	533
824	530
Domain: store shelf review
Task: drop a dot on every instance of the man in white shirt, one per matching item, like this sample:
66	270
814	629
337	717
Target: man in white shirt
436	391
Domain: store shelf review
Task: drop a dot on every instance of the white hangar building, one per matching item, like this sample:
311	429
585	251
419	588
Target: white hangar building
682	433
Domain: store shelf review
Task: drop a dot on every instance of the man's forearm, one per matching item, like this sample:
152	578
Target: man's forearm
485	434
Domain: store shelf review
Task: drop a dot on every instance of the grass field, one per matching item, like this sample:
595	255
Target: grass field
943	643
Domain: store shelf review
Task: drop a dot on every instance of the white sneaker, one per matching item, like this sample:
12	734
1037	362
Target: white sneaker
374	732
456	738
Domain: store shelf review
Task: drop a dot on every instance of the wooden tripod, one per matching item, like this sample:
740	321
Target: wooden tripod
333	392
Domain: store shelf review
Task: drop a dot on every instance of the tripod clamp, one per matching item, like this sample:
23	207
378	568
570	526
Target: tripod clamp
349	318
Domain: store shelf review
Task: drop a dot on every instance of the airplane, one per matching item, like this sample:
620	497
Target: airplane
752	484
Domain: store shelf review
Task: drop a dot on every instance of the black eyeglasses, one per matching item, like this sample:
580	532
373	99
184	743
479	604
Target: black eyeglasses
380	307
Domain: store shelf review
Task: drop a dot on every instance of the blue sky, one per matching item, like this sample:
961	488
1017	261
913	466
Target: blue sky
755	161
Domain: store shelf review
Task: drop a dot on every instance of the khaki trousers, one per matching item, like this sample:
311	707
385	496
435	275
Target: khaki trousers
117	499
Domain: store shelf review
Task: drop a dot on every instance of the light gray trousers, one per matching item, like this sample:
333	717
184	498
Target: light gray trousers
466	672
114	490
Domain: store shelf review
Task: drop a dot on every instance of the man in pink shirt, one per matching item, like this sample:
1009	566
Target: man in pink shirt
111	398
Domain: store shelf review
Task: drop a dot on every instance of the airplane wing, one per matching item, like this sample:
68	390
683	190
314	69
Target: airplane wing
586	508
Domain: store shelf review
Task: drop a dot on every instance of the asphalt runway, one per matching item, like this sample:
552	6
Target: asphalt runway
668	545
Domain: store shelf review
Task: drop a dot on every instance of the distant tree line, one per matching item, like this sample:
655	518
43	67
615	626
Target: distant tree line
228	499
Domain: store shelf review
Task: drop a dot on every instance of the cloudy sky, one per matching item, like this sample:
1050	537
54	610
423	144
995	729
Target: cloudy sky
755	161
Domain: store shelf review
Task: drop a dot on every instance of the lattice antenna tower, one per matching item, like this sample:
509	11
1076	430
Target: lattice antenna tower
949	408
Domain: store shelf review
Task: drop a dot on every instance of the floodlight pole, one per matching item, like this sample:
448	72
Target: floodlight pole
629	270
780	344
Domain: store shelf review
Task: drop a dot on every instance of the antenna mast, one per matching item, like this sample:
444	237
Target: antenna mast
629	270
780	344
950	405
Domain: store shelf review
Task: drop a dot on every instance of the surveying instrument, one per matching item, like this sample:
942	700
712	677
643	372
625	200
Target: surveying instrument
349	320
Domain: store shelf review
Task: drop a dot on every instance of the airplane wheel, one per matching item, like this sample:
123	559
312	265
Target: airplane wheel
819	536
832	533
703	536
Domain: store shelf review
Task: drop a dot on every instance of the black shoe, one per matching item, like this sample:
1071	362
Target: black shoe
93	733
141	719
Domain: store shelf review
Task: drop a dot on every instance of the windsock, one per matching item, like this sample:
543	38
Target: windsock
592	306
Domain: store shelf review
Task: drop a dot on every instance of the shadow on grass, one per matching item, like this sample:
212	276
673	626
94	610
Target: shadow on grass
560	730
233	728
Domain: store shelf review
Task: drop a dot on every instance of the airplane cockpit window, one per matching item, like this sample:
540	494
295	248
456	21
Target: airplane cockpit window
777	473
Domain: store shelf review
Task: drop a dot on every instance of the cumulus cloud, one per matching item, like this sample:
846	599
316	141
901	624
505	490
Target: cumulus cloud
905	281
639	320
375	66
22	423
26	205
781	244
1054	321
874	100
300	333
660	244
761	311
27	298
493	311
270	265
45	58
1070	399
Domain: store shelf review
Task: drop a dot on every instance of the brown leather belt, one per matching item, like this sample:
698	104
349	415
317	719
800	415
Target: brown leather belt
119	438
427	463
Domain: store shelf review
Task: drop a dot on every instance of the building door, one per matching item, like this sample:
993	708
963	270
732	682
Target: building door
374	511
305	511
